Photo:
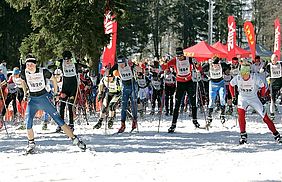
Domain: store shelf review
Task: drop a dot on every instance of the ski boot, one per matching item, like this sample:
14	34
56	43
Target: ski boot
58	129
243	138
134	124
222	119
172	128
166	113
195	122
76	141
71	127
1	124
277	137
99	124
44	126
111	123
30	149
209	120
272	116
122	127
152	112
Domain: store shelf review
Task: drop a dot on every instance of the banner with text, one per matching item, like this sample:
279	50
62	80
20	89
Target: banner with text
110	26
250	34
277	39
231	39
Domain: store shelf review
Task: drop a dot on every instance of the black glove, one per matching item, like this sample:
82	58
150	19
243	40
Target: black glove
262	100
235	101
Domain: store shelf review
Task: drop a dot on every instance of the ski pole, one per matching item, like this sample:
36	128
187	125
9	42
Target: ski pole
161	109
4	102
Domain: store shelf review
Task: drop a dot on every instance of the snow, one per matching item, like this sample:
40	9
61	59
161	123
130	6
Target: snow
188	155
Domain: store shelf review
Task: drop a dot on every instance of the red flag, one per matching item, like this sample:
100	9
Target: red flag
277	38
250	34
110	26
231	39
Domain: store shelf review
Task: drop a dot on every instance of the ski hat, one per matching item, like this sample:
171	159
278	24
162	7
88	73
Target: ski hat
215	60
120	59
245	69
16	71
30	58
179	51
235	60
67	55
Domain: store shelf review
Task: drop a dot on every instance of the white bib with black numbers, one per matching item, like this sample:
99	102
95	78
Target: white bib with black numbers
141	82
215	71
69	69
35	81
234	71
183	67
18	82
12	87
247	88
196	76
125	73
112	87
169	79
227	79
156	84
275	71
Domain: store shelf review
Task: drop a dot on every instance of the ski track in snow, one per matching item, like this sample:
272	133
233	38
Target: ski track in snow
188	155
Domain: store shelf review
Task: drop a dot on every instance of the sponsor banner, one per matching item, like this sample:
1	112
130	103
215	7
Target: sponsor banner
110	26
231	39
250	34
277	38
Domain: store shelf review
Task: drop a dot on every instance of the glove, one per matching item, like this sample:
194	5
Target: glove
234	101
262	100
99	97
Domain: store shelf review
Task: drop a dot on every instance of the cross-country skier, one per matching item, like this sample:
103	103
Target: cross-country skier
248	86
170	85
109	89
126	70
157	89
34	79
143	84
69	87
11	97
275	70
183	66
216	85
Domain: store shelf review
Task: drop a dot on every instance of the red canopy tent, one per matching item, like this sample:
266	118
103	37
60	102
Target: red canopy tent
203	51
238	51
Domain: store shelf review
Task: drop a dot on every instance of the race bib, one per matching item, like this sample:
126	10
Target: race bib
196	76
125	73
235	71
275	70
183	67
169	79
156	84
141	82
35	81
215	71
69	69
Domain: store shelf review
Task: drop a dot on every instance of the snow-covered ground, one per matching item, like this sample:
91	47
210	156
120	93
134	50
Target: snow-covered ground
188	155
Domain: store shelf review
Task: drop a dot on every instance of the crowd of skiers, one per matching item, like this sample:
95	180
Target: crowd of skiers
175	84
